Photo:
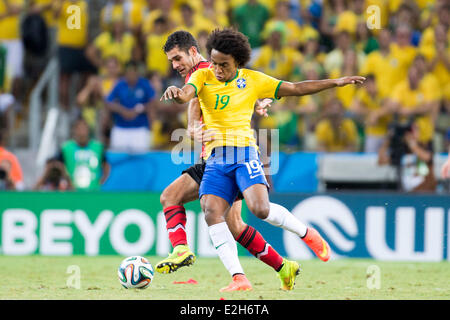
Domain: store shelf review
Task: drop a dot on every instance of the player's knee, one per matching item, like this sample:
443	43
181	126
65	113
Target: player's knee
168	199
259	209
212	217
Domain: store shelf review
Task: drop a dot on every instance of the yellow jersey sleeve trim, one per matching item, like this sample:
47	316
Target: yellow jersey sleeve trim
194	88
276	90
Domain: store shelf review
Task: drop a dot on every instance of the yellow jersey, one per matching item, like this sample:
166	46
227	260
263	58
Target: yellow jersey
428	49
344	94
427	91
227	107
10	25
73	24
156	59
336	140
389	69
379	65
278	64
108	46
380	128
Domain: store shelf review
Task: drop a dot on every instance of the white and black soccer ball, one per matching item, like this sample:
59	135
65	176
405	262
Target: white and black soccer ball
135	272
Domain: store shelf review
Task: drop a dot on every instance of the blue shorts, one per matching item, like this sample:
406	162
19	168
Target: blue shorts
230	169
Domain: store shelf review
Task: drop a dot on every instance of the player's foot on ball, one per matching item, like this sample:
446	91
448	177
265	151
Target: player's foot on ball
287	274
181	256
239	283
317	244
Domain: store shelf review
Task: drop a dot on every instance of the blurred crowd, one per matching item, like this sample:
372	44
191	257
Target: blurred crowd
401	47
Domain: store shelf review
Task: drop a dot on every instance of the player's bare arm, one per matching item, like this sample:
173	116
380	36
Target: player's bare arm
313	86
182	95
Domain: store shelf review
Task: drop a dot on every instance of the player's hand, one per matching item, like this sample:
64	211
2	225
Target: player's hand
350	80
445	171
261	107
201	135
171	92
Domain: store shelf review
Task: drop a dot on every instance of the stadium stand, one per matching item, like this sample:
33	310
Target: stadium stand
403	47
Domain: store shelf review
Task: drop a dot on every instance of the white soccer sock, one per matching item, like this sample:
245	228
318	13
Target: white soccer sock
279	216
220	236
232	242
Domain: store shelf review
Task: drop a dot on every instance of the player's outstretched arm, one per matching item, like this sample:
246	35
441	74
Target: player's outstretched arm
313	86
179	95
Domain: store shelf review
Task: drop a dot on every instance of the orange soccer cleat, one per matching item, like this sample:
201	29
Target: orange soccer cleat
239	283
317	244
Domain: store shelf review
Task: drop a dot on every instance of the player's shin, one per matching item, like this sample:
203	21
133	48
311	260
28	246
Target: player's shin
176	225
220	237
279	216
254	242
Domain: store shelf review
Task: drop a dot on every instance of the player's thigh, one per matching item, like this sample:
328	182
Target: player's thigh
234	219
183	190
252	182
257	199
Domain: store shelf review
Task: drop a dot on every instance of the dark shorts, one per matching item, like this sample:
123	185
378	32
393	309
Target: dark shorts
73	60
196	172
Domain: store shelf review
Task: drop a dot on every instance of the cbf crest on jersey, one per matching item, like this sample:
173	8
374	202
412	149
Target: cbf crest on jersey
241	83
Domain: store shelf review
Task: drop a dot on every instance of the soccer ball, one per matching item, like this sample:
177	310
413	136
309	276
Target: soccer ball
135	272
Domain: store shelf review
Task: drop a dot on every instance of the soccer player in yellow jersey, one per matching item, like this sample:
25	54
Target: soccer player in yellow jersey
182	51
227	93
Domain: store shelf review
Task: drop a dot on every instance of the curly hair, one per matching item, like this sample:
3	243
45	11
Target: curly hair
181	39
232	42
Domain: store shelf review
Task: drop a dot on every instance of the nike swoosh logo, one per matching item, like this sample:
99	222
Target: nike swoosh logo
256	175
219	245
208	84
324	250
181	253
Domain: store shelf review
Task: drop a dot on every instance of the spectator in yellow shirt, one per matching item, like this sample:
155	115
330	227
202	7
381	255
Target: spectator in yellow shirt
117	42
216	11
335	58
156	60
276	59
378	63
194	22
391	62
10	11
417	97
132	12
91	99
367	105
156	9
335	133
72	40
435	47
402	54
349	67
294	31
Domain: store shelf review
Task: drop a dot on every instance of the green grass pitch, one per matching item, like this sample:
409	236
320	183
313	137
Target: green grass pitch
38	277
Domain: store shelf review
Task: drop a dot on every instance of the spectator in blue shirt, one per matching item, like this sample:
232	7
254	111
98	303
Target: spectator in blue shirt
131	103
